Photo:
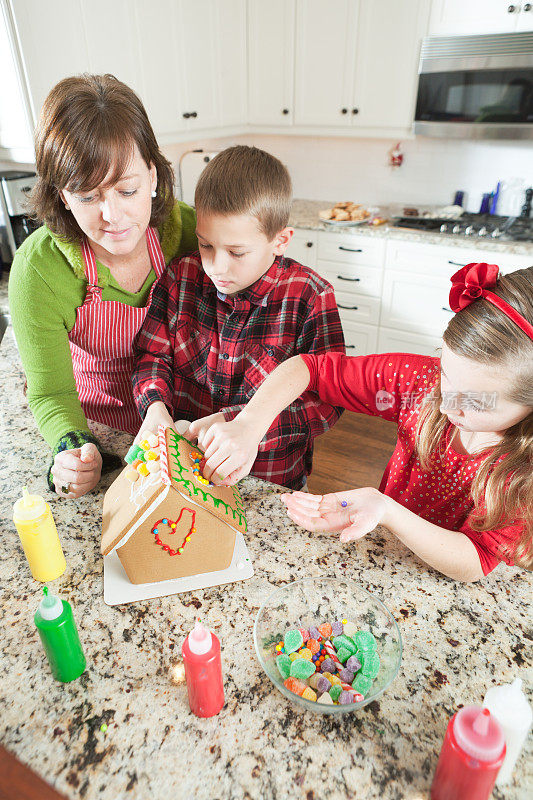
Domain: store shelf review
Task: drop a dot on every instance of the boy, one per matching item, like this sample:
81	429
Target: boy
222	319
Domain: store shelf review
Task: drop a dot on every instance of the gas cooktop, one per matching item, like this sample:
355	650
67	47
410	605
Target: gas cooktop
484	226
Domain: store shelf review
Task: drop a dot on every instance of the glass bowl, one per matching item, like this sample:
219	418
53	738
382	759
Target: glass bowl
310	602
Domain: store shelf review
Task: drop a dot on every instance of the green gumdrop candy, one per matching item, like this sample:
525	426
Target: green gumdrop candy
132	454
371	665
343	654
284	663
293	640
365	640
302	668
361	684
344	641
335	692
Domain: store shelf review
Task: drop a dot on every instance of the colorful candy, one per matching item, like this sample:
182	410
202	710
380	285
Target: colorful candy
132	453
316	667
293	640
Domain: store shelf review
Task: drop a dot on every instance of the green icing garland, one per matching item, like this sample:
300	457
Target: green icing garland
194	489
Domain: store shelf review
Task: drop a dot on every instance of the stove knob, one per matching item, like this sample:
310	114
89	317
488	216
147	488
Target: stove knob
469	230
443	228
495	233
456	229
482	231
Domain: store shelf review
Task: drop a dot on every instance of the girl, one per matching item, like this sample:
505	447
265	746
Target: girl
458	490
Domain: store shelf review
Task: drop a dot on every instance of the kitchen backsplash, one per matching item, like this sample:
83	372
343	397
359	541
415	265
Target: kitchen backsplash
357	169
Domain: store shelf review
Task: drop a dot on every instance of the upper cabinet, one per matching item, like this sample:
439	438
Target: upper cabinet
387	54
462	17
325	46
271	62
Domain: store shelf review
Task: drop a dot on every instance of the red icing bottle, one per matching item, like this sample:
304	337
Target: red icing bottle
472	753
203	671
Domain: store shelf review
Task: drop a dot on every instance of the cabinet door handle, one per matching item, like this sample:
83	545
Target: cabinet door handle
456	264
349	347
511	9
309	244
285	111
527	7
347	308
186	114
194	114
355	111
353	280
349	249
445	308
344	110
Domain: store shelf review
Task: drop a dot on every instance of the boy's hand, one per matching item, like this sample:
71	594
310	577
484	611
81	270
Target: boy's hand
197	430
230	450
156	415
78	471
353	513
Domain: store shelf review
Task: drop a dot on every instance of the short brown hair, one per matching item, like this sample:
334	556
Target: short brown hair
89	124
246	180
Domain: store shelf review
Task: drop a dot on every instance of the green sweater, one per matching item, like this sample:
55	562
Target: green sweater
47	285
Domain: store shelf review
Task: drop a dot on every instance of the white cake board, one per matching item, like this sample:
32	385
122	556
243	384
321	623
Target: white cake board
119	590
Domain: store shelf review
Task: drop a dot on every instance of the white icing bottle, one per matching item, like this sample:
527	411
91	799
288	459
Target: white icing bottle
509	705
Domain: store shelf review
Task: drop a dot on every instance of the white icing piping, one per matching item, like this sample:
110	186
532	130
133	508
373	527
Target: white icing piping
159	499
139	487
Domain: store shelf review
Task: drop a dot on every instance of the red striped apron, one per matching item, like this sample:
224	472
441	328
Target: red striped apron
101	344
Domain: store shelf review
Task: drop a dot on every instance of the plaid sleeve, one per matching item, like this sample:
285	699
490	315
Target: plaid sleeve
308	416
153	352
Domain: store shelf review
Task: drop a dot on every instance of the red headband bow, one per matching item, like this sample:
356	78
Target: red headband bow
474	281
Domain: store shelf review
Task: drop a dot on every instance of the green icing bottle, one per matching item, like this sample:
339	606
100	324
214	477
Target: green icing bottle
55	622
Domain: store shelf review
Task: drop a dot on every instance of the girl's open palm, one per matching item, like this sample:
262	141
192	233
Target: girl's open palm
353	513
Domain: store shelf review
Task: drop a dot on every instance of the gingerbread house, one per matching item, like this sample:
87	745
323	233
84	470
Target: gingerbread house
164	519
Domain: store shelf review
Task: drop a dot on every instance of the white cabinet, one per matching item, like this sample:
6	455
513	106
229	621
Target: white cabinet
303	247
451	17
394	341
325	44
15	127
387	53
271	62
360	339
231	34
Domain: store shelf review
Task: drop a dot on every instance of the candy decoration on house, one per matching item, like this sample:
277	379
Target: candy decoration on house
396	155
162	521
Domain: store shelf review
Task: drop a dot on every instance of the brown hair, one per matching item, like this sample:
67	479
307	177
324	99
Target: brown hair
89	124
246	180
502	489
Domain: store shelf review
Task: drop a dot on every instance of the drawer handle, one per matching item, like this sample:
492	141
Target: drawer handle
353	280
445	308
349	347
349	249
456	264
348	308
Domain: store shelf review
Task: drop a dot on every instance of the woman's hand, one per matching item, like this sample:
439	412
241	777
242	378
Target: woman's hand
353	513
230	447
78	471
156	415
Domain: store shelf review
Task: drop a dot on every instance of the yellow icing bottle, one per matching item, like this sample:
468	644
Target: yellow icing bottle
38	534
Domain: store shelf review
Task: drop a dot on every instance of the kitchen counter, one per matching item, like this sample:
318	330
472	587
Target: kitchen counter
304	214
458	641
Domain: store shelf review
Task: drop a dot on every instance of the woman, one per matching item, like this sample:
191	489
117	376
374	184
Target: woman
80	286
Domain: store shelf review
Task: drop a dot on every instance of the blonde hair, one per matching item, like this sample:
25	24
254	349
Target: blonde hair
246	180
89	124
504	481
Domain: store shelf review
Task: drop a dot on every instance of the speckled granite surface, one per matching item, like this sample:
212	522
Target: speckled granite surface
304	214
458	641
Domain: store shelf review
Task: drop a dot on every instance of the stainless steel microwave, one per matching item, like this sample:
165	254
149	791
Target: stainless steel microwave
476	87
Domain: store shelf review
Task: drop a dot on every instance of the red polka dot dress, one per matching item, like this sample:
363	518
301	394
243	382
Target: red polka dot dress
393	386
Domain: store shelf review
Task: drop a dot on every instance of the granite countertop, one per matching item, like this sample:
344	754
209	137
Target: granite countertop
304	214
458	641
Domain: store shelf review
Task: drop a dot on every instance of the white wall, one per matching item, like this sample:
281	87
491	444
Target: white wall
356	169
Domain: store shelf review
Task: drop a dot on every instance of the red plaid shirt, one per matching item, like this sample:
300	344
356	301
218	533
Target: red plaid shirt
200	352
